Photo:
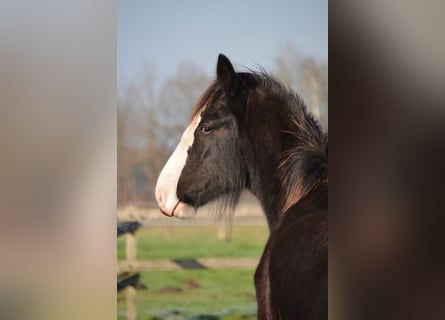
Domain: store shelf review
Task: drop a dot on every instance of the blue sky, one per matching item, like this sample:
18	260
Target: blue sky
249	32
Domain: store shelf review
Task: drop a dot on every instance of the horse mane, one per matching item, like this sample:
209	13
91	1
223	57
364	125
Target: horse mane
304	166
304	158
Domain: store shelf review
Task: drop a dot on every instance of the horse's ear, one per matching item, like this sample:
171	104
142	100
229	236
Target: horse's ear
225	72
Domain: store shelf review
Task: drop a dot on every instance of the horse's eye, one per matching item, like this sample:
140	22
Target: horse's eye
205	130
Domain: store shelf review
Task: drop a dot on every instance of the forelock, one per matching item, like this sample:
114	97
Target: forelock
207	99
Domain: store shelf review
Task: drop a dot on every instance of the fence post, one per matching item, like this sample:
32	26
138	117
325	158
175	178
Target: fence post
130	294
130	249
225	228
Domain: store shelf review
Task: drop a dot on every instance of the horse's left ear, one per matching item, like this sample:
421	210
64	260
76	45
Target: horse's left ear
225	72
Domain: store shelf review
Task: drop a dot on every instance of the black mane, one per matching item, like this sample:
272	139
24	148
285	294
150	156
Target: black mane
303	160
304	155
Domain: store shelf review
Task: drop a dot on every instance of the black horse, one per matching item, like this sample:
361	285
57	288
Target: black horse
249	131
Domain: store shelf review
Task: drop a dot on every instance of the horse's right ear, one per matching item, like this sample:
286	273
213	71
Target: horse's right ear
225	72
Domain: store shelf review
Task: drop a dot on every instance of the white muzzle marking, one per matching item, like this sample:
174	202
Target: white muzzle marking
167	183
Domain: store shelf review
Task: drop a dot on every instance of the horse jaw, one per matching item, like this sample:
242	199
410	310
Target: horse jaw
167	183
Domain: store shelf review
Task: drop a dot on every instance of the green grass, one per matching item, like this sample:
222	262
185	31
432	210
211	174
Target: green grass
187	242
221	294
224	294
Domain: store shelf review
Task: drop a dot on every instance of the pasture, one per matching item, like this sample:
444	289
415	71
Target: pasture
224	294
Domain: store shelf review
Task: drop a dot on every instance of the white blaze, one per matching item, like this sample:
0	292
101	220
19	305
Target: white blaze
168	178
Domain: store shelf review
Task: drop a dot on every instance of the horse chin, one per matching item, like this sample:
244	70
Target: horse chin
184	211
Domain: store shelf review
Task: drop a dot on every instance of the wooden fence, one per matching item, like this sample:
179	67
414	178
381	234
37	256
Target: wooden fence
248	212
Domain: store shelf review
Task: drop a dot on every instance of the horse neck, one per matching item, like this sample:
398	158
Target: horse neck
268	145
263	156
266	187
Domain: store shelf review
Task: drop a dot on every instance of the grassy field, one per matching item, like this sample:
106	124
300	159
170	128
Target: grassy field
196	294
182	242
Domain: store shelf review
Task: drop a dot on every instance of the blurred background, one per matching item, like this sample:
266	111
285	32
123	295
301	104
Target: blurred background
167	52
58	164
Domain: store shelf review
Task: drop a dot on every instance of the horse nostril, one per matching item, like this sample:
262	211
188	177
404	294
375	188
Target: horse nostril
160	198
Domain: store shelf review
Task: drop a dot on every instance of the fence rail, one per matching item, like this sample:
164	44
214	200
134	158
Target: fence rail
178	264
247	212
